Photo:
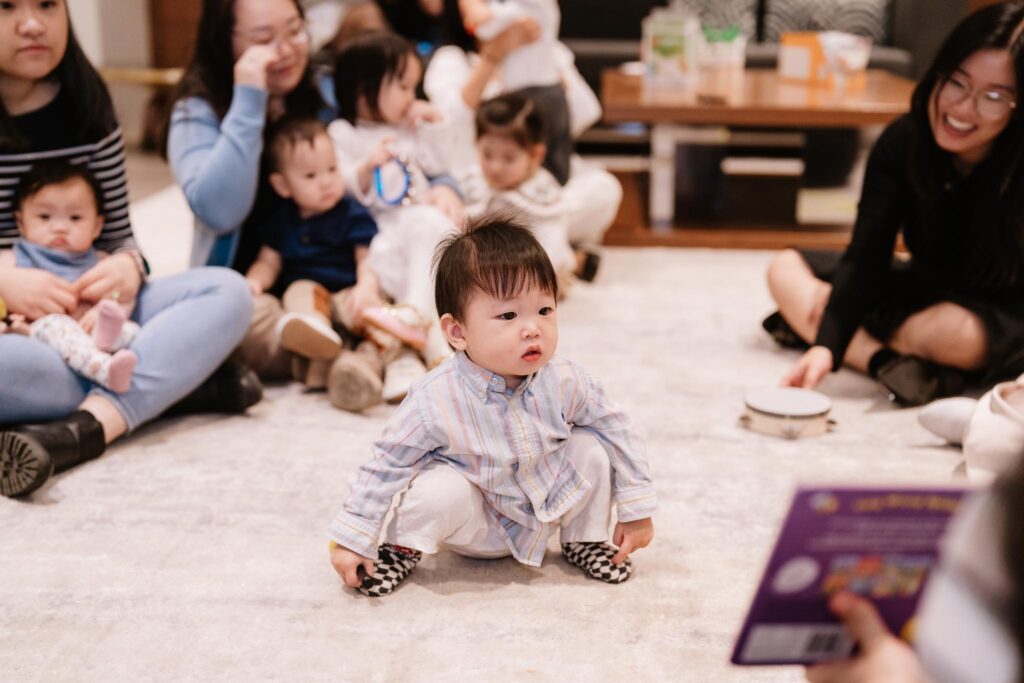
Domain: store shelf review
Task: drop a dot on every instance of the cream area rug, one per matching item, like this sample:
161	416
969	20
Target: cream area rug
196	549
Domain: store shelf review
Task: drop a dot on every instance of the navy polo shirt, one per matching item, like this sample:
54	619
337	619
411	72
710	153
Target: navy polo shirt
321	248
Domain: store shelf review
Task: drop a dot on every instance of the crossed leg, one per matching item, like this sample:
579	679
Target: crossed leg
943	333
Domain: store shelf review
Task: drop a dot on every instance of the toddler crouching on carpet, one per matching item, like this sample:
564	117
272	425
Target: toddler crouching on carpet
502	445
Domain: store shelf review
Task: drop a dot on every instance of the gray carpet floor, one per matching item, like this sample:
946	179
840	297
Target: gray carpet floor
195	549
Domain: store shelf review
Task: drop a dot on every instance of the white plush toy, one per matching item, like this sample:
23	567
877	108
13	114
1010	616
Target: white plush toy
990	429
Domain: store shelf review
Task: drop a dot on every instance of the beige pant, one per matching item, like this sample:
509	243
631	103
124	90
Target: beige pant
259	349
443	508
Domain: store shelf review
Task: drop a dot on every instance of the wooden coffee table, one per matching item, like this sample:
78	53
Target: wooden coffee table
759	99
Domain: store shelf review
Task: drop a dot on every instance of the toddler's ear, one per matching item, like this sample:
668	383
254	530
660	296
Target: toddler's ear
100	219
280	185
452	330
537	154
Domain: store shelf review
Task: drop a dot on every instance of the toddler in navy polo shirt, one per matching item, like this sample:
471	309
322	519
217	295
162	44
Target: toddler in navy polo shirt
314	256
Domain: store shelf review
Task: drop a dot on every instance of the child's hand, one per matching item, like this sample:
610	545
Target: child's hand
474	13
448	202
254	286
630	536
384	153
360	298
347	564
421	111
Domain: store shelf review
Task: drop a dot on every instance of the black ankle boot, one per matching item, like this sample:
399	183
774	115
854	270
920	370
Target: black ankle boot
914	381
784	335
29	454
232	388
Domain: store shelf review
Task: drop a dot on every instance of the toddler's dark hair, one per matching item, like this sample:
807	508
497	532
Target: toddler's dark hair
45	173
512	116
494	254
363	65
288	132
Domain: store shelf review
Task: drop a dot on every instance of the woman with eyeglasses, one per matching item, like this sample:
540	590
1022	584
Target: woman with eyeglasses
250	67
55	107
949	176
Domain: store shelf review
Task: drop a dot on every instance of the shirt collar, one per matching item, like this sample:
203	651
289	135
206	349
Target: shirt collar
482	381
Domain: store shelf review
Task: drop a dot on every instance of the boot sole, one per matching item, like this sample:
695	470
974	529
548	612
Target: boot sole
24	464
305	340
353	388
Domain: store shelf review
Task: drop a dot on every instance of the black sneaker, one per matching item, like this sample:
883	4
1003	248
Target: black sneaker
393	566
595	559
784	335
29	454
914	381
231	389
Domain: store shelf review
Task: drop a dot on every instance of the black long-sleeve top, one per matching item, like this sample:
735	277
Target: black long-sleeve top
948	252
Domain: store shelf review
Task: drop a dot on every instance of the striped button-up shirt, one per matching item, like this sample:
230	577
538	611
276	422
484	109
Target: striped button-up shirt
512	444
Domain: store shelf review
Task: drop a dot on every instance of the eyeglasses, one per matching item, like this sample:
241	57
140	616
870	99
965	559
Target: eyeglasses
990	104
294	34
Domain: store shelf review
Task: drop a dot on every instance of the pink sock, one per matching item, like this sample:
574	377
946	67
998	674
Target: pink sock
108	324
119	372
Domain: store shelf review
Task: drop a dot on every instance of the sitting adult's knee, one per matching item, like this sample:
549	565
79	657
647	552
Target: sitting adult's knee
781	267
945	333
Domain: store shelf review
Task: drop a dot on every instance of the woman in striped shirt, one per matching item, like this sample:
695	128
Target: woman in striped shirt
54	106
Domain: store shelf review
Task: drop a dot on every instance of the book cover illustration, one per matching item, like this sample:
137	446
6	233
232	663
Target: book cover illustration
880	543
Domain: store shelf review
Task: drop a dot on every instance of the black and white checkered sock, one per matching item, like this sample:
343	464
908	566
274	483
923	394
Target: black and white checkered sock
393	566
595	559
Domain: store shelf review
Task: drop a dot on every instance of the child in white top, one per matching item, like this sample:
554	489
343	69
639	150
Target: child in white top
58	211
503	445
532	70
508	177
393	151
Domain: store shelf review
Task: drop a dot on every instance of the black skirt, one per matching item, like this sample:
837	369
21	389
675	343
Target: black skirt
908	291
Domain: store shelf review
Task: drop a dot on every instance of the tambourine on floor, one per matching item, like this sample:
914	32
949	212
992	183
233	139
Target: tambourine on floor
787	412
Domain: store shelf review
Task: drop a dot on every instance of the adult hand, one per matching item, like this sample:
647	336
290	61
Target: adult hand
448	202
117	274
883	658
34	293
810	368
521	32
89	319
630	536
251	67
347	564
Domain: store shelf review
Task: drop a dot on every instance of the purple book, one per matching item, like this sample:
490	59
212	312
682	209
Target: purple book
877	542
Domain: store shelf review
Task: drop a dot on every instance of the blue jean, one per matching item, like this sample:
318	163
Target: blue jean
190	323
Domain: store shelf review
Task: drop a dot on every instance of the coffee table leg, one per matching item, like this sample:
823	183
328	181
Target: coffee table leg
663	176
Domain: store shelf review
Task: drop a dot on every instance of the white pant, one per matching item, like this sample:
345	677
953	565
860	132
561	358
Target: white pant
442	508
591	198
994	439
402	256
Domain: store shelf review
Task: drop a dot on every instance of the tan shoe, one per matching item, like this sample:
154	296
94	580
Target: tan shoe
354	382
308	336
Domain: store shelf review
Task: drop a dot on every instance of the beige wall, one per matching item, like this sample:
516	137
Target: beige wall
116	33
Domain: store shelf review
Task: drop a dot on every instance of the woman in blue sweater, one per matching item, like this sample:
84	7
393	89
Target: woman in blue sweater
251	66
54	106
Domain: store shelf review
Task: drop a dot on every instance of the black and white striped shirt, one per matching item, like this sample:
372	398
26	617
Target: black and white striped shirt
49	138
